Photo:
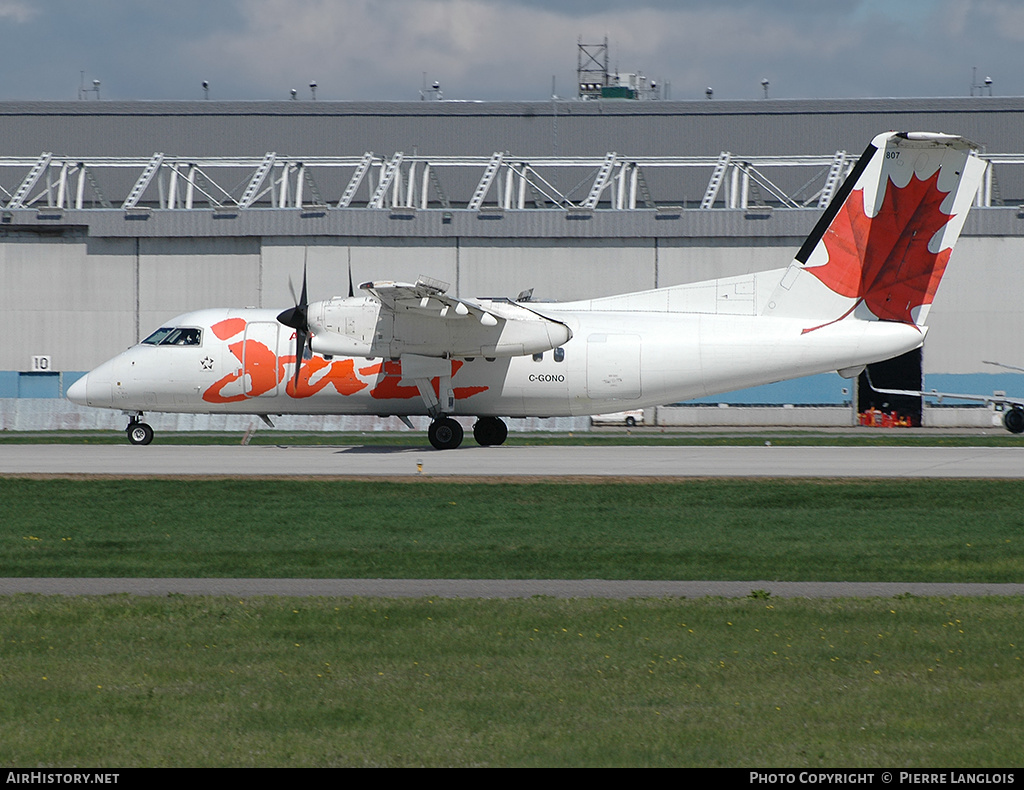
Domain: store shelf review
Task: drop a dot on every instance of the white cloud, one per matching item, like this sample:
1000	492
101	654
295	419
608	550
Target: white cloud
507	49
17	10
380	49
999	18
355	49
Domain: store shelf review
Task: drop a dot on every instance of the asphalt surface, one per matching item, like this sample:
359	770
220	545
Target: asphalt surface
494	588
490	462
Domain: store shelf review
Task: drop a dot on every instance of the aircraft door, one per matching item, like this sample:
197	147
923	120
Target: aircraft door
613	366
259	359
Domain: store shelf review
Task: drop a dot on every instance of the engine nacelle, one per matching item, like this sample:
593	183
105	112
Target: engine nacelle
347	327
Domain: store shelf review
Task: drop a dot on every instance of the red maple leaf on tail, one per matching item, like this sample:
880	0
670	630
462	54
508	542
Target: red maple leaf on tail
884	261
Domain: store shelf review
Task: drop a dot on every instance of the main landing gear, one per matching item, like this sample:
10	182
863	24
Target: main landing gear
446	434
490	431
138	432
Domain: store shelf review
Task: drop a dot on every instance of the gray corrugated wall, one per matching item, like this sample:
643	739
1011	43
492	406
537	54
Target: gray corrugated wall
528	128
650	128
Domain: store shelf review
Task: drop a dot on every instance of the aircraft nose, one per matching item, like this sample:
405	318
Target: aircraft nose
94	388
77	392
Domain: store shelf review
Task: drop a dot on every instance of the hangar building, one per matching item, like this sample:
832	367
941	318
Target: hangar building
114	217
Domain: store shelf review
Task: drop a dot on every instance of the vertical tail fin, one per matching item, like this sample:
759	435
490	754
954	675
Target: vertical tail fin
882	245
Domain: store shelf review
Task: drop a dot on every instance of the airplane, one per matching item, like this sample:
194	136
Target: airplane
858	291
1013	417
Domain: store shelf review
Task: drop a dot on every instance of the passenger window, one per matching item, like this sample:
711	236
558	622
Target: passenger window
559	354
538	357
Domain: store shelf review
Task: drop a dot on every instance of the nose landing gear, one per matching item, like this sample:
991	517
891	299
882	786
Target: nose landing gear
1013	419
138	432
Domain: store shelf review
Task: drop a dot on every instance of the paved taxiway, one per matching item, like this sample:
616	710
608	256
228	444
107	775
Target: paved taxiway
473	461
493	588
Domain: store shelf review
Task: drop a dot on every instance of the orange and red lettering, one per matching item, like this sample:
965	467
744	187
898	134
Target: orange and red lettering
265	372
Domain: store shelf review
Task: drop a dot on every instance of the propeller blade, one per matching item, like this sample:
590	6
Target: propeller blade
301	339
291	290
297	318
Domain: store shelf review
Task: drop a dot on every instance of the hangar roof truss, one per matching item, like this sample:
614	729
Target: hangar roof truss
501	181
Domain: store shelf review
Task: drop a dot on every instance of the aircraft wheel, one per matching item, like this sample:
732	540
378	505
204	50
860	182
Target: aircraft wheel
490	431
139	433
1014	420
445	434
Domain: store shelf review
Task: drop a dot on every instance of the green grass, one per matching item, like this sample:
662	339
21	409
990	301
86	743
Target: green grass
122	681
912	530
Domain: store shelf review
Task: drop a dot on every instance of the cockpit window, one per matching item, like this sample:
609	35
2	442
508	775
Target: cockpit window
175	336
183	336
155	338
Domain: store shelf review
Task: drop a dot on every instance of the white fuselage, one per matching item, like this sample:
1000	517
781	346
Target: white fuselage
857	292
614	360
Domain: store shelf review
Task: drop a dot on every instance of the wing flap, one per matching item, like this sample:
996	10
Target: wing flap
427	297
430	322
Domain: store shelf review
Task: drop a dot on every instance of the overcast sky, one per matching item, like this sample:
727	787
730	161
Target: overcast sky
506	49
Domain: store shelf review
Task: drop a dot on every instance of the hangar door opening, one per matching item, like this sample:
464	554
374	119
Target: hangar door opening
899	373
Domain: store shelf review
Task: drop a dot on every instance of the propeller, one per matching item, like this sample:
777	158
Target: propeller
297	319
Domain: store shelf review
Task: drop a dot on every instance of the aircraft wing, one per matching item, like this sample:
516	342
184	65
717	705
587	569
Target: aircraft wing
427	297
939	396
1002	365
421	318
1013	417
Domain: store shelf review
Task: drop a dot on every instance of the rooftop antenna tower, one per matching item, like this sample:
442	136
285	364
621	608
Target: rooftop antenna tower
595	80
980	88
591	68
82	90
433	93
